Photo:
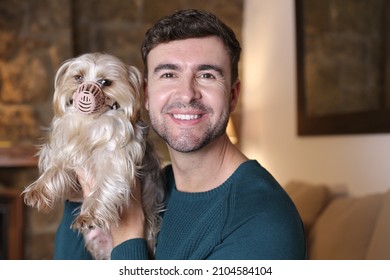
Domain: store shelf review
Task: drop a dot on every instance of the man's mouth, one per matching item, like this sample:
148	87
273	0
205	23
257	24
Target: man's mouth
186	117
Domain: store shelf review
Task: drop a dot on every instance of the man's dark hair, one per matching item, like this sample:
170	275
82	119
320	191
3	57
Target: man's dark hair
186	24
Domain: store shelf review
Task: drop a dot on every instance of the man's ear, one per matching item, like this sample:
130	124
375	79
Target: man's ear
146	96
234	95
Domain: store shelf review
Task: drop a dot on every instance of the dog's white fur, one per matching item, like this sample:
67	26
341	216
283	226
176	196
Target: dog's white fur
111	149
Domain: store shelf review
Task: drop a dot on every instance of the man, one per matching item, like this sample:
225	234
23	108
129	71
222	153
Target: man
220	205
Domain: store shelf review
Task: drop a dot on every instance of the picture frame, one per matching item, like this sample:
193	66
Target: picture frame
343	79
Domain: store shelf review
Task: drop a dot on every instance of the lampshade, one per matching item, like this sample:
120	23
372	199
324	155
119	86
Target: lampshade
231	132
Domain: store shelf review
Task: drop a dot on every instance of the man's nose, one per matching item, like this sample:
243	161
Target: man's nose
189	90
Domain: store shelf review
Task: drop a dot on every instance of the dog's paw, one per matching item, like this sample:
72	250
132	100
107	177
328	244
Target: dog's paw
83	223
36	198
87	222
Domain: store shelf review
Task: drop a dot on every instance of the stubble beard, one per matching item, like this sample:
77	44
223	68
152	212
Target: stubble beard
187	142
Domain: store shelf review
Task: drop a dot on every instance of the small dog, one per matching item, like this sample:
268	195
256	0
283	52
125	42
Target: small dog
97	131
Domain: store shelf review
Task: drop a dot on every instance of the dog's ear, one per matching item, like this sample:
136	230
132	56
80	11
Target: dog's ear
59	100
61	72
135	79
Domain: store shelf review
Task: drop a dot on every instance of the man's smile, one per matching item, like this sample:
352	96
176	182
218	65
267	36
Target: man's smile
186	116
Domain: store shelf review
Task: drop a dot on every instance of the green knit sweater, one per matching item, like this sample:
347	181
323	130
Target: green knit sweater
249	216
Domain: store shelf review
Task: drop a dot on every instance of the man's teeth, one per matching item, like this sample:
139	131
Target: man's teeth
186	117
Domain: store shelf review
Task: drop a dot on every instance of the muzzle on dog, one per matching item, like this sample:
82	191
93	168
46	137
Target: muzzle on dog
89	98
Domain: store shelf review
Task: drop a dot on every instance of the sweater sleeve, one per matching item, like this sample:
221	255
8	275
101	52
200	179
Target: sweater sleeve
261	238
132	249
262	225
262	220
69	244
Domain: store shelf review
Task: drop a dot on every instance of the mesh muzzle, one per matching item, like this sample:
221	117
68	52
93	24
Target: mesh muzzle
90	99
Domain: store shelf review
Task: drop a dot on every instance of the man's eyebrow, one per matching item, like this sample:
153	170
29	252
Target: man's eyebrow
216	68
166	66
201	67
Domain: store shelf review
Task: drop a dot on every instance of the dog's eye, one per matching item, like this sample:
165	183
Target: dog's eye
115	106
79	79
104	82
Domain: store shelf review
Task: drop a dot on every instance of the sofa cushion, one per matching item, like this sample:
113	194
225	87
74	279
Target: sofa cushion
310	200
344	229
379	248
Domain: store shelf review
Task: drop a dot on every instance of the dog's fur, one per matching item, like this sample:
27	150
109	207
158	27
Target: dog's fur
110	148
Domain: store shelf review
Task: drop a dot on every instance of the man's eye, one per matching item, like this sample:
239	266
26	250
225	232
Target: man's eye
207	76
104	82
167	75
79	79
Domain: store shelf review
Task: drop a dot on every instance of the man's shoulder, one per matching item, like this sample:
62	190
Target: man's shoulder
256	191
250	176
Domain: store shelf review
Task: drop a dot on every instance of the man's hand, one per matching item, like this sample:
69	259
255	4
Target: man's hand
132	221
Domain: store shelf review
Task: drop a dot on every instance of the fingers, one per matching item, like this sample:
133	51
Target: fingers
132	222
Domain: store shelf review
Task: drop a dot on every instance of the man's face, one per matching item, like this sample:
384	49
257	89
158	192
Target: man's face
188	92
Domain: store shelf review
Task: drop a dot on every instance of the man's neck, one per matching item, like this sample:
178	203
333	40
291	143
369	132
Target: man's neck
207	168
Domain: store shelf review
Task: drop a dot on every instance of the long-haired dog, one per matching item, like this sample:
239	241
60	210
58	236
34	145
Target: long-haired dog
97	131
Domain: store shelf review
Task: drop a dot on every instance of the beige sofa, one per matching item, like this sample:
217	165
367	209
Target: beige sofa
340	226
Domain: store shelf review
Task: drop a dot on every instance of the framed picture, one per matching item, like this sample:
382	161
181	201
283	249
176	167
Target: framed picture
343	67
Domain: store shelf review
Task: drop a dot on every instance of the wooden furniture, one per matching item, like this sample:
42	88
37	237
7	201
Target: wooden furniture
11	202
11	224
18	156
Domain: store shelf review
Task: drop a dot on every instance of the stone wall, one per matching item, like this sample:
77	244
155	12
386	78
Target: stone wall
36	36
